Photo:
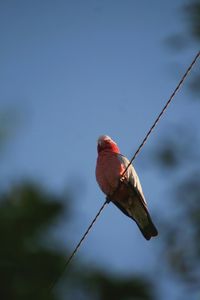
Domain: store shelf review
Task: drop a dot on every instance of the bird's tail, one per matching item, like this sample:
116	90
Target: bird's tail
149	230
142	218
132	204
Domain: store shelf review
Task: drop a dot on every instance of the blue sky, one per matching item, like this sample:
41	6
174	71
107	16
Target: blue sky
73	70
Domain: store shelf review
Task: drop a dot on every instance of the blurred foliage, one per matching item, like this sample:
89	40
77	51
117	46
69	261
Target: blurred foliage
165	154
28	264
187	39
182	231
9	121
194	83
177	42
192	11
175	149
118	287
178	152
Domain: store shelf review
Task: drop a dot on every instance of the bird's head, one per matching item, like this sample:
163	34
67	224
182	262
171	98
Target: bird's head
106	143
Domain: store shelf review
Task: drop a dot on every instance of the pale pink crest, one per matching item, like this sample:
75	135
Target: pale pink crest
106	143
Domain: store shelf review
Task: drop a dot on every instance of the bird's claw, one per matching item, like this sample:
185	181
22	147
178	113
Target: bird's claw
122	179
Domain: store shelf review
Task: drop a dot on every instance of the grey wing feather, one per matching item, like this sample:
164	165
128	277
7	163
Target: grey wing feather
136	207
132	177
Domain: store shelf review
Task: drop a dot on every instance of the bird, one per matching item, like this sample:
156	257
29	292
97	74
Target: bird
122	189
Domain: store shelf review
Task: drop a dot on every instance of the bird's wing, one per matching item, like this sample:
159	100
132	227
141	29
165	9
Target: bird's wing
132	178
130	200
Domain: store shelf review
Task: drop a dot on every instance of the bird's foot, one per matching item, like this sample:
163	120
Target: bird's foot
122	179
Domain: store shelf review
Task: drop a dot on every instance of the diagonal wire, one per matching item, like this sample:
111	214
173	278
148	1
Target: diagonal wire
77	247
163	111
134	156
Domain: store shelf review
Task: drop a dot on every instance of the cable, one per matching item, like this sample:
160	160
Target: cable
162	112
134	156
78	245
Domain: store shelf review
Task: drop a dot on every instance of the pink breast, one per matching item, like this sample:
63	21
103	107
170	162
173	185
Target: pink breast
108	171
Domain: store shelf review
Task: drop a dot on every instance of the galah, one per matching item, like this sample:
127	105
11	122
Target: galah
125	192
